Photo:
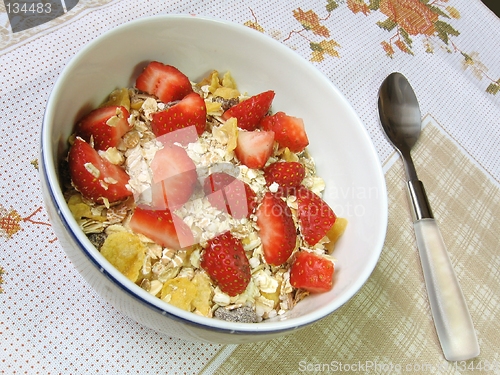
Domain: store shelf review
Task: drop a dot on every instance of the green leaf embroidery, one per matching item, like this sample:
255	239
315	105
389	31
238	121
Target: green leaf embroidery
331	5
493	88
315	47
438	11
401	44
406	37
388	24
444	30
468	59
374	5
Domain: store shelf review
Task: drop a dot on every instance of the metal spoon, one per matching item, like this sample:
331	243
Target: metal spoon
401	120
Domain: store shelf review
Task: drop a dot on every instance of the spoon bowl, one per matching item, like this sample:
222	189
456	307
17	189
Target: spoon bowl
399	112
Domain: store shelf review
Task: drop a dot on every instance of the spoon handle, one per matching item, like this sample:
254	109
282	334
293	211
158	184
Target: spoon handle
449	310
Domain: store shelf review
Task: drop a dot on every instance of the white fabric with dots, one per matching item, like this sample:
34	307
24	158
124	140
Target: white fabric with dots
50	320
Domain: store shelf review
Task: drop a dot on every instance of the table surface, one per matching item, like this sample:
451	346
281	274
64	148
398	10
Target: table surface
52	322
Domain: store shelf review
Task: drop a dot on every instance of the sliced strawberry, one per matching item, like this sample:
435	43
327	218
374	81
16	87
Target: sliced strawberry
254	148
311	272
190	111
162	226
166	82
287	175
315	216
105	125
94	177
250	111
289	131
174	177
276	229
225	261
229	194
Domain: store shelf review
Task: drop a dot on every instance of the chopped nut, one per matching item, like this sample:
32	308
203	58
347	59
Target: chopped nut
113	155
131	139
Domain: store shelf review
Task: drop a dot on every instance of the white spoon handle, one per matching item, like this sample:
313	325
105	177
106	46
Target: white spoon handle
449	310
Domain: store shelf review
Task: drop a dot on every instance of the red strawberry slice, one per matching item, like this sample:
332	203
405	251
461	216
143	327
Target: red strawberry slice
289	131
163	227
190	111
105	125
96	178
250	111
311	272
229	194
225	261
174	177
287	175
277	229
254	148
315	216
166	82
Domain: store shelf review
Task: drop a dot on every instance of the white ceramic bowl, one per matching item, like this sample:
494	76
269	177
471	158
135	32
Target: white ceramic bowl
342	149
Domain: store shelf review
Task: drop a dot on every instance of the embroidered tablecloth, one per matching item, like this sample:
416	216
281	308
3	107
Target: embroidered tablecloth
52	322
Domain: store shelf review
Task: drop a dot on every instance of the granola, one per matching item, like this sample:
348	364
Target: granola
176	276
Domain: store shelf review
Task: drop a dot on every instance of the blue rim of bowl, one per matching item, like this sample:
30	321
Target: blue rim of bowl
263	328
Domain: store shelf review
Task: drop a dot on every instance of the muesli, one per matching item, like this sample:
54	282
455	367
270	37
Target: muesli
203	196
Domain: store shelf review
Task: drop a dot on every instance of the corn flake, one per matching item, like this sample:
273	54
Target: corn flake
207	80
213	108
214	81
227	134
179	292
226	92
204	293
126	252
228	81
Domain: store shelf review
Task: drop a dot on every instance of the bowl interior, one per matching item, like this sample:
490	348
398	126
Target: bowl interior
340	145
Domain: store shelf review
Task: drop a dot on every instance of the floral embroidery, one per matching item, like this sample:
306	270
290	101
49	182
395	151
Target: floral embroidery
411	15
471	61
310	21
10	221
312	24
493	87
254	24
324	47
425	18
357	6
410	18
406	19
